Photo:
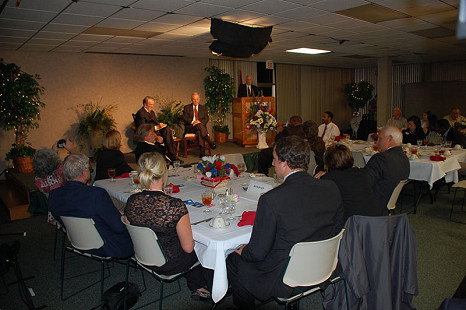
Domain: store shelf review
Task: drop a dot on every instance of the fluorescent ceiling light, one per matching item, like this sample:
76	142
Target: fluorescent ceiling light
305	50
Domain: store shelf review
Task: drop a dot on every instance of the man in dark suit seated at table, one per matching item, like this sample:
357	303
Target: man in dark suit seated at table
77	199
248	90
295	128
195	118
450	133
387	168
301	209
146	115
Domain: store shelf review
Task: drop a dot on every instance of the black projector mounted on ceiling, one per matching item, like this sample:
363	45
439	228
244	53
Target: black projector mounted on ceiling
238	41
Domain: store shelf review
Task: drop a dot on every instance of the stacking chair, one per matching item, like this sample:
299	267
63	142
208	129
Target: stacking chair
191	138
311	264
147	253
391	205
459	185
83	236
358	159
236	159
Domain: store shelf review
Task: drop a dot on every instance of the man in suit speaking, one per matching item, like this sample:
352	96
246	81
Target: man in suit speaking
301	209
248	90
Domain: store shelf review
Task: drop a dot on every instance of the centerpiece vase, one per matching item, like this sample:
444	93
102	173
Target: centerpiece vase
262	139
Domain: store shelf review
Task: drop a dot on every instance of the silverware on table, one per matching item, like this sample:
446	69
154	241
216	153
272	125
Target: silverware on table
206	220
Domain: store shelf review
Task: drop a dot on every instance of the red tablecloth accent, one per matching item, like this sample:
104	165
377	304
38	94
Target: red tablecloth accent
247	218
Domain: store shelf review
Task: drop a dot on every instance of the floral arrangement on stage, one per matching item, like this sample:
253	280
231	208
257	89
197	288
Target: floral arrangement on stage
260	117
215	170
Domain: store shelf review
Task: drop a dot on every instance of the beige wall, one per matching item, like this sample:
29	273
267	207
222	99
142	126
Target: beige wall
72	79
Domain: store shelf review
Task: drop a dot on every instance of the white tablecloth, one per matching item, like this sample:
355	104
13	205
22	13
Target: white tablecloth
424	169
212	246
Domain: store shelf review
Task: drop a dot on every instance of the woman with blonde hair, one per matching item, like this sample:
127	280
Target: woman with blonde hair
110	156
168	217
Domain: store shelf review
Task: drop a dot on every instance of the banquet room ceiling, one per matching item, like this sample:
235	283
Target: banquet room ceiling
357	32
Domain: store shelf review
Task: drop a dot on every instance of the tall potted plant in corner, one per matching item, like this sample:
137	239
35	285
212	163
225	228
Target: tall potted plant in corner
95	122
219	98
19	111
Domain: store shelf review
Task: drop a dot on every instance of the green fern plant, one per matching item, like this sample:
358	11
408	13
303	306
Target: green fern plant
95	118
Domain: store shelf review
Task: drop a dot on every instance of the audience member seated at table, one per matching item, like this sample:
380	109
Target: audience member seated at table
414	131
450	133
300	209
148	141
425	121
353	183
294	128
432	136
387	168
315	142
328	130
146	115
397	120
455	118
110	156
168	217
76	198
49	172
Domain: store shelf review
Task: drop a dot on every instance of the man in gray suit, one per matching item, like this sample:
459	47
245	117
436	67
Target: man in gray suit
301	209
387	168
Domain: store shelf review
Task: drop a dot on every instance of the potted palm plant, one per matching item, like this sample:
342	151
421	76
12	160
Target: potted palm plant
219	87
20	106
95	122
171	113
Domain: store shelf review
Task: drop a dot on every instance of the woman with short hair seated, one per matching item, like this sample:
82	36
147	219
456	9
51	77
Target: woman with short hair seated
168	217
355	188
110	156
414	131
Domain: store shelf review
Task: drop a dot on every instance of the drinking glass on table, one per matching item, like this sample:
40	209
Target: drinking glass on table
426	142
168	189
448	144
414	150
420	142
230	208
111	174
375	147
176	165
207	197
241	167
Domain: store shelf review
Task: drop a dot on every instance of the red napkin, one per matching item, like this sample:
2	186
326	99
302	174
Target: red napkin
123	175
437	158
247	218
235	169
175	188
338	138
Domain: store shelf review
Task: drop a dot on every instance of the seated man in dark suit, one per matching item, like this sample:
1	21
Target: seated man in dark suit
301	209
78	199
450	133
148	141
195	118
387	168
146	115
295	128
248	90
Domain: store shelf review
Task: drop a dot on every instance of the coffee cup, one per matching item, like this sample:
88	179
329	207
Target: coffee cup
218	222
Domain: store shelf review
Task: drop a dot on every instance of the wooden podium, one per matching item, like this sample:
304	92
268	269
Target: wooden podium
242	135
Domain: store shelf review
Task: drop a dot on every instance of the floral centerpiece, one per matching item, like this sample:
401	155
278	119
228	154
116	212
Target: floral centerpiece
260	118
215	171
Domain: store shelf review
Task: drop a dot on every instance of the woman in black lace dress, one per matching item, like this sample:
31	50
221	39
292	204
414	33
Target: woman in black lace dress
168	217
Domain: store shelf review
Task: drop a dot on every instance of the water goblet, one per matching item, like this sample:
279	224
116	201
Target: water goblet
111	174
419	142
230	208
207	197
448	144
176	165
168	189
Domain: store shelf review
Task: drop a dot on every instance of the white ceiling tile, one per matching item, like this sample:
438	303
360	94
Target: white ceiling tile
54	27
53	42
80	20
267	20
230	3
328	19
270	6
439	18
203	9
301	13
9	45
171	36
45	5
55	35
138	14
19	24
165	6
36	47
92	37
295	25
68	49
120	23
126	40
83	44
177	19
113	2
190	31
27	14
338	5
6	39
426	9
156	27
239	16
92	9
16	32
